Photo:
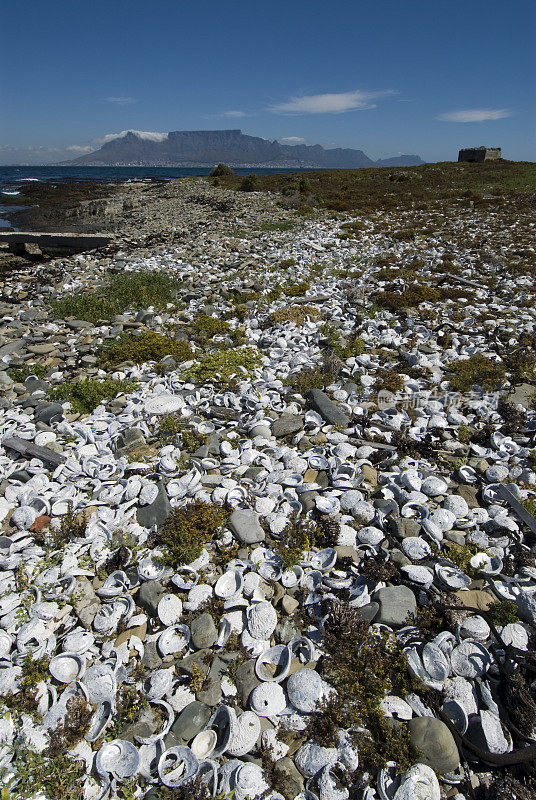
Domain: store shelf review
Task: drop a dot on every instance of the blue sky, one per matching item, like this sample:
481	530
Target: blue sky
384	76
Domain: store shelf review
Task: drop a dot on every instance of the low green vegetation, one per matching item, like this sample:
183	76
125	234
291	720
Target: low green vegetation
223	368
296	314
389	380
282	226
477	369
448	183
57	778
504	612
86	395
295	541
139	289
220	170
250	183
313	378
343	348
296	289
363	667
144	347
19	374
187	529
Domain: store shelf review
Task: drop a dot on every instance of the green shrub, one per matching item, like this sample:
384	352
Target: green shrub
130	290
411	297
187	529
295	541
223	367
250	183
144	347
220	170
363	667
296	289
86	395
207	326
482	370
19	374
297	314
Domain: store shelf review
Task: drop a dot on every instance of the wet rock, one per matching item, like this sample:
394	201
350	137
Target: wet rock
149	595
396	604
287	425
245	525
156	512
435	742
203	631
191	721
327	409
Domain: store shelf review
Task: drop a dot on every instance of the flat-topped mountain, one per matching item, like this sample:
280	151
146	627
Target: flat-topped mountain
206	148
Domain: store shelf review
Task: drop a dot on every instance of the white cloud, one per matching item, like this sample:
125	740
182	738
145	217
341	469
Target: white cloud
475	115
292	140
233	113
153	136
333	103
121	101
80	148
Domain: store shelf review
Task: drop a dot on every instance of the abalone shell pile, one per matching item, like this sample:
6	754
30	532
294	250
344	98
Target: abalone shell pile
143	678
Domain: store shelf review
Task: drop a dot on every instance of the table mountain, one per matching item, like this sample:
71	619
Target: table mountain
206	148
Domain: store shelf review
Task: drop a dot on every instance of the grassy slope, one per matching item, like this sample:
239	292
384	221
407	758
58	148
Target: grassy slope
366	190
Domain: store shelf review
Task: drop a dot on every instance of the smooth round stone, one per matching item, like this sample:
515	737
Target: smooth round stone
370	535
443	518
191	721
475	628
415	548
456	504
470	660
434	486
435	742
423	576
203	630
497	473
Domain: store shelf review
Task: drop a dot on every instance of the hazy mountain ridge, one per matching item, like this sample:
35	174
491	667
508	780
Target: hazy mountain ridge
206	148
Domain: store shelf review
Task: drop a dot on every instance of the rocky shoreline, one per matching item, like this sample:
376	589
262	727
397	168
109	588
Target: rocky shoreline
267	498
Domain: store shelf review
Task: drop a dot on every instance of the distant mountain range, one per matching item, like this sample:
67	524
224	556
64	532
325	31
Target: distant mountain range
232	147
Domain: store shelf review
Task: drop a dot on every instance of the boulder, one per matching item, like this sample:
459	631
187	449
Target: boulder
435	743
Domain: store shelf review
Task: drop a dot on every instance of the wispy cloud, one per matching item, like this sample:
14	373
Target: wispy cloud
233	113
121	101
333	103
153	136
292	140
80	148
475	115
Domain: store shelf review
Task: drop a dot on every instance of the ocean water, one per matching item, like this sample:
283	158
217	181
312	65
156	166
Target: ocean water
14	179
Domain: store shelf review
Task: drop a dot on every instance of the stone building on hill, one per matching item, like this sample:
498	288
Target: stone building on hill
479	154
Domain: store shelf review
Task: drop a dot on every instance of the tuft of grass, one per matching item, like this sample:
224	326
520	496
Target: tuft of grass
223	368
479	369
284	225
206	326
187	529
314	378
72	526
296	289
144	347
86	395
57	778
130	290
296	314
411	297
389	380
19	374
